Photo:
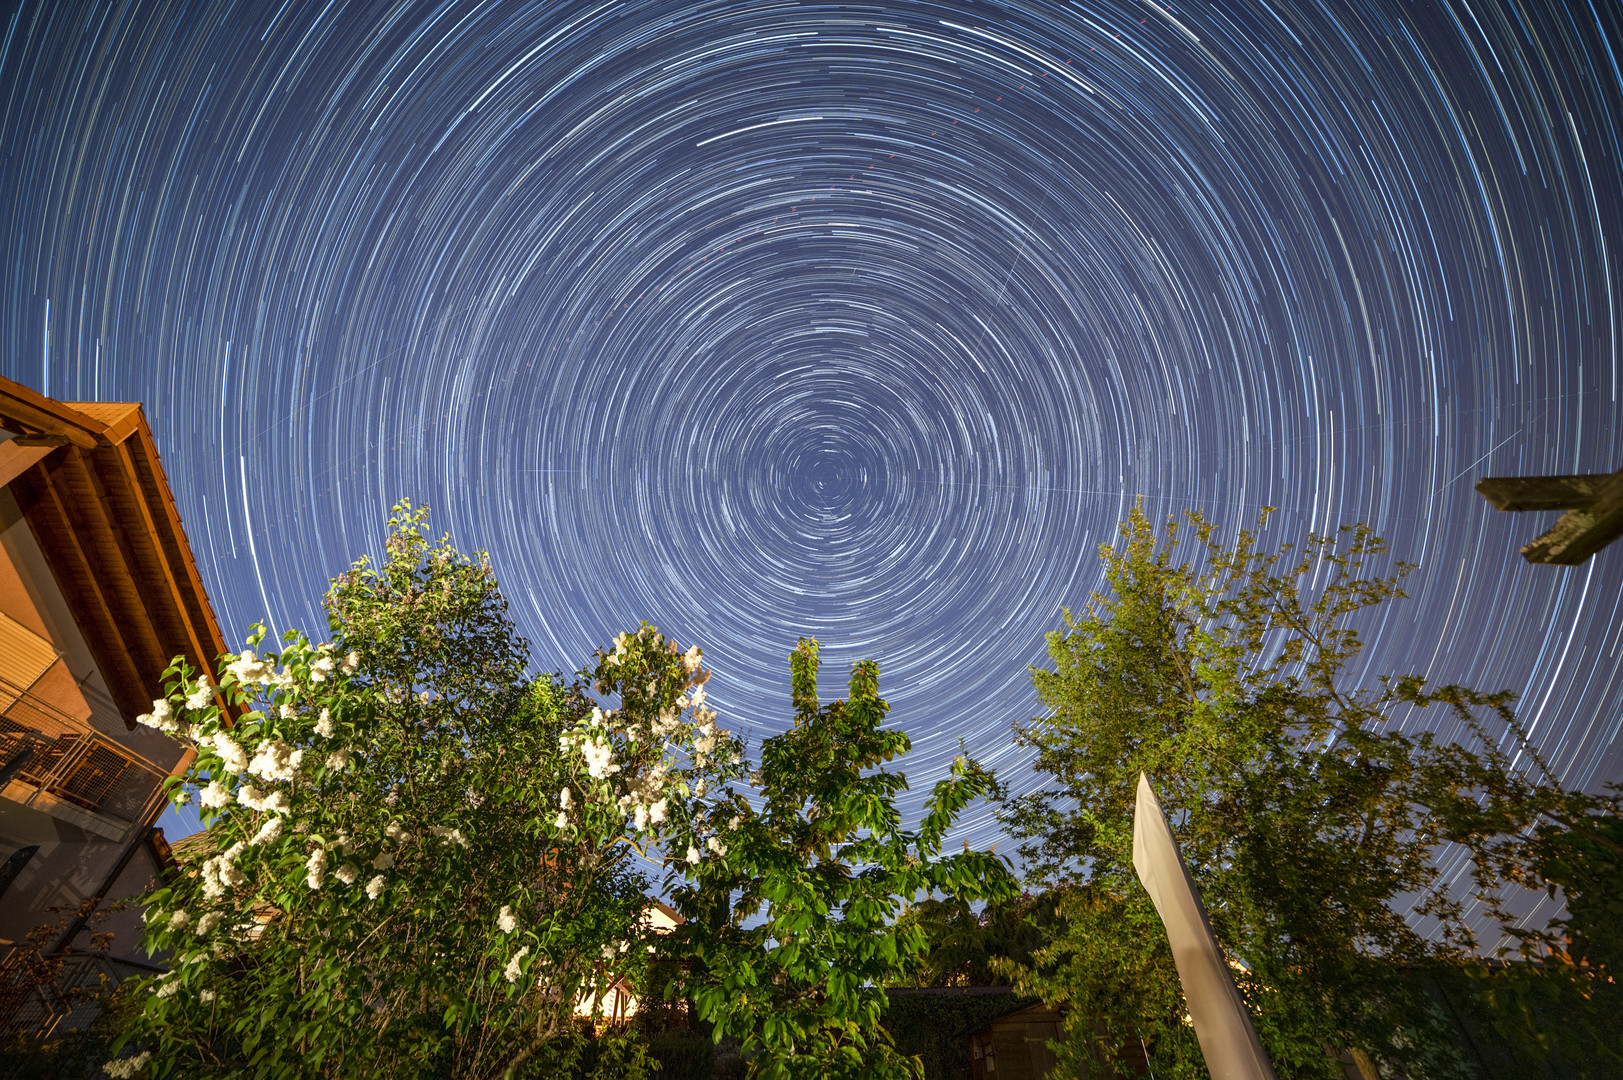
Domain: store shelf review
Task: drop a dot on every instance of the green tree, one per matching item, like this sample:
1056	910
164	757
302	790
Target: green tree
1308	819
1584	859
1565	1006
794	933
970	947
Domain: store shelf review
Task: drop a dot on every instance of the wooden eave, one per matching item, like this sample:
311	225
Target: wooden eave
106	520
1594	512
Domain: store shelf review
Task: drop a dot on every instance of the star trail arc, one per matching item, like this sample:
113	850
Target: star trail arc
864	321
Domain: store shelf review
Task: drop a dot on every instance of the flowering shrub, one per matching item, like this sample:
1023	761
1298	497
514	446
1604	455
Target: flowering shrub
420	858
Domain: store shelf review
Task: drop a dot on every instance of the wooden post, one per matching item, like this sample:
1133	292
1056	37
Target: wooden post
1593	518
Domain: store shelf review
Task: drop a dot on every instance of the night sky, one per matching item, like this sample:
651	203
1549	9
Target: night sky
869	322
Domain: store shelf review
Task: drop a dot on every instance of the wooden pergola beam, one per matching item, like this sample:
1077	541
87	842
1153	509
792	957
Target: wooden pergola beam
1593	518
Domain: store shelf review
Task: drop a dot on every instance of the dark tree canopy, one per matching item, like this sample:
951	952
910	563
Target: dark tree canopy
1310	819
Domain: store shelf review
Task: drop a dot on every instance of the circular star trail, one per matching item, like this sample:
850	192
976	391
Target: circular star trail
862	321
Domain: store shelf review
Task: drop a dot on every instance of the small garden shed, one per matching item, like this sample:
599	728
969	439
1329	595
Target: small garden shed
1015	1047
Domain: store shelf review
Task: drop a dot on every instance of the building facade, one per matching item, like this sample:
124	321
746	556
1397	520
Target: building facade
98	591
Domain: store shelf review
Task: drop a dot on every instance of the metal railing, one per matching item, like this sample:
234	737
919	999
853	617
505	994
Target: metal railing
38	1003
79	766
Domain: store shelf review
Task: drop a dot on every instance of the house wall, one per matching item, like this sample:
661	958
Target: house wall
1015	1047
1021	1054
79	845
125	921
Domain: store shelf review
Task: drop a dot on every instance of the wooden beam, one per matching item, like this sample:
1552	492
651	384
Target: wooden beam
192	603
119	567
31	410
121	418
1541	492
16	460
161	569
75	570
1593	518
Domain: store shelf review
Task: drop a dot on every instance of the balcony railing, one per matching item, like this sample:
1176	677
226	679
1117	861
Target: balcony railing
77	766
38	1001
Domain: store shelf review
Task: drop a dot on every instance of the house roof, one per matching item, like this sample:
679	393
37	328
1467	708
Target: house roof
191	850
89	482
949	991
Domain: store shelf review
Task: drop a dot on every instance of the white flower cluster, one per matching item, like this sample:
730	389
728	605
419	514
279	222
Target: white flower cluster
200	695
599	754
276	760
273	803
645	797
651	792
208	922
350	664
315	869
507	922
384	860
450	836
667	723
269	832
216	795
249	668
233	757
124	1068
283	681
161	717
324	726
513	970
221	874
710	734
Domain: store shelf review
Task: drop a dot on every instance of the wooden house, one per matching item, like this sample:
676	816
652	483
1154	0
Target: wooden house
1015	1046
98	591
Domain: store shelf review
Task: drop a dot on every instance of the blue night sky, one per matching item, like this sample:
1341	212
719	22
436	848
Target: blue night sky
864	321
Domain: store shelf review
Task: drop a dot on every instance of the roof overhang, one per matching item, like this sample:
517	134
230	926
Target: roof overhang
88	480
